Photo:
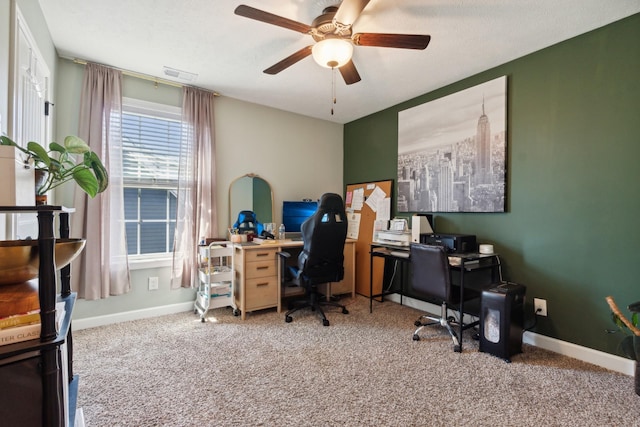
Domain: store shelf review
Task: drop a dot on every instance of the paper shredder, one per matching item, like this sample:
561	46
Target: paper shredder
501	320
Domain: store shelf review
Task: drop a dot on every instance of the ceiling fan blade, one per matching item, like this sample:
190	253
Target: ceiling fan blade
349	11
270	18
349	73
402	41
289	61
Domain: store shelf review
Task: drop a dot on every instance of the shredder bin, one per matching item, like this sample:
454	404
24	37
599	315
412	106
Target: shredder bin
502	319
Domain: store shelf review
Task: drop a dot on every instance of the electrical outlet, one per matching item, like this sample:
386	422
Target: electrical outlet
540	304
153	283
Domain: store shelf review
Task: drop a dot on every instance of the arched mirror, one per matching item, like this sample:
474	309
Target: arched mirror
253	193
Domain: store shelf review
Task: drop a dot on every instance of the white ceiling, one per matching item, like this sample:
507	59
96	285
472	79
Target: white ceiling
229	52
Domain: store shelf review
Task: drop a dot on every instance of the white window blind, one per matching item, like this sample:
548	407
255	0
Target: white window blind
151	146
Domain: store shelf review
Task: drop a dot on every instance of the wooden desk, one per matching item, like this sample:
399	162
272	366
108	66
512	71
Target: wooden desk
257	274
461	263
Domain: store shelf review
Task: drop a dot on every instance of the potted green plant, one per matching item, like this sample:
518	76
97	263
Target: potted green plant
72	160
630	344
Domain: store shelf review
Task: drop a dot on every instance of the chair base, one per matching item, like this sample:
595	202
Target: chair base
443	320
315	303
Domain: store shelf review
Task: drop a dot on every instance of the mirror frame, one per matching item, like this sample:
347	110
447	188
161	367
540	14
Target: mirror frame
252	176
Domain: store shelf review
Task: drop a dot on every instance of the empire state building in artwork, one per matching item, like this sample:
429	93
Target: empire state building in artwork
483	173
452	152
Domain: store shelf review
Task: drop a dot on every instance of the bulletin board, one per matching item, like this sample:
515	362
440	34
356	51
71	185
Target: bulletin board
365	203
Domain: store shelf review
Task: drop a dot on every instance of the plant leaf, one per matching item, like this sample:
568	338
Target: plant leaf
619	323
100	172
39	153
54	146
75	145
6	141
86	180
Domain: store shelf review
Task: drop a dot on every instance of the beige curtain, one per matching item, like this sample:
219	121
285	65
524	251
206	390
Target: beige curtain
196	213
102	269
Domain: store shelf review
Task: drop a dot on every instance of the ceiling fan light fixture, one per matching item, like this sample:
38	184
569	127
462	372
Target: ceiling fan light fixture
332	52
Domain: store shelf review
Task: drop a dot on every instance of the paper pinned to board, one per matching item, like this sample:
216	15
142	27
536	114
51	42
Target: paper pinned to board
353	225
374	199
384	210
357	201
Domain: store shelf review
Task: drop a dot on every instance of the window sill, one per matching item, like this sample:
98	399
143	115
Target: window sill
141	262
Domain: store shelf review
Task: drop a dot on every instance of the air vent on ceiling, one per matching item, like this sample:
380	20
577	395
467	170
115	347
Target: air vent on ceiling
180	75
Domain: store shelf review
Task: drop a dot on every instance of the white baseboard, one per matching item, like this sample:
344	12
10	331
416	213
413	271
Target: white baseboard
586	354
92	322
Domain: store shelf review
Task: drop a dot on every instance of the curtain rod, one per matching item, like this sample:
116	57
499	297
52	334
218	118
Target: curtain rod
141	76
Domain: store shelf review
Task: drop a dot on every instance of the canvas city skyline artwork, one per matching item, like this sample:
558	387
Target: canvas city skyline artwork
452	152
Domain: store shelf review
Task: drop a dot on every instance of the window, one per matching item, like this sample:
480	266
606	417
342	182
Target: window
150	152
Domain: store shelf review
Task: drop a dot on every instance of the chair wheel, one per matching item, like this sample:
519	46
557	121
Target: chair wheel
457	348
236	312
325	322
417	323
288	319
345	311
202	320
416	337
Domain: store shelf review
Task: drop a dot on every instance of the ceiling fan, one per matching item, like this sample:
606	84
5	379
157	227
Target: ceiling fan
332	33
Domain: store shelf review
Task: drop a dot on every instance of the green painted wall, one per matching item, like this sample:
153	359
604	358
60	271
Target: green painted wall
262	201
570	233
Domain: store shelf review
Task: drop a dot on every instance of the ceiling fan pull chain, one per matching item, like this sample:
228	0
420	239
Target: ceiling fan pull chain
333	87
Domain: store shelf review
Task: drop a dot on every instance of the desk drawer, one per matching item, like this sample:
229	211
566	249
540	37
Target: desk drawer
261	293
266	268
260	255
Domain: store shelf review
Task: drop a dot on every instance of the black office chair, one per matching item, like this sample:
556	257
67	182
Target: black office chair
431	281
322	257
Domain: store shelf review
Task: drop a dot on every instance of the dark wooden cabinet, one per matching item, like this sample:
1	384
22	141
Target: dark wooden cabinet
37	384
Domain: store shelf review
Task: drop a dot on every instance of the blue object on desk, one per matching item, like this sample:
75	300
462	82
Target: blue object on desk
248	223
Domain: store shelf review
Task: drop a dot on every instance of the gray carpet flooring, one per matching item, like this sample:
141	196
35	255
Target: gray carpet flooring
363	370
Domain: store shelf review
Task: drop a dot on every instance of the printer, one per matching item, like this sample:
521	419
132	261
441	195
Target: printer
393	237
453	243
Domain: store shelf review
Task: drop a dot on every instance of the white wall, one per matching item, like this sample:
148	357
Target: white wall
5	14
299	156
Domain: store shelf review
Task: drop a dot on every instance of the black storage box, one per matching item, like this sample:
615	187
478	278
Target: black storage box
502	319
453	243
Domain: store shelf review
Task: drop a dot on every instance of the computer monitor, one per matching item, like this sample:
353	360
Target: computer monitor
295	213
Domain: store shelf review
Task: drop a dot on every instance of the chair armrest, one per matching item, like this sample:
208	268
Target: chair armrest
283	254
